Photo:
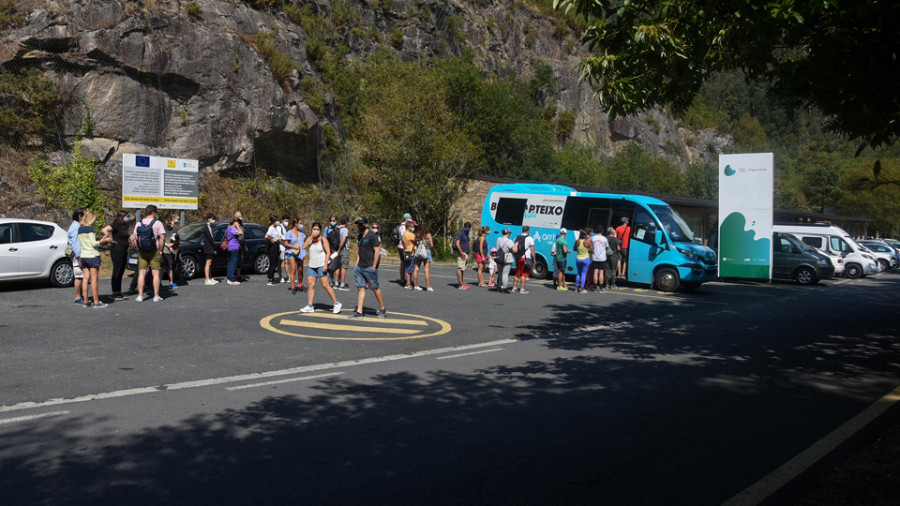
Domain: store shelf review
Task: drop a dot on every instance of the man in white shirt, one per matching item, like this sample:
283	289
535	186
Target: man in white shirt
524	252
599	244
274	235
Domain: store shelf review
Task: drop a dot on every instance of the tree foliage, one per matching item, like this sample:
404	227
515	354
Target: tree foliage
838	56
28	104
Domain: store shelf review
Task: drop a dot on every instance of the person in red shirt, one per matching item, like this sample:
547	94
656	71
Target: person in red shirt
623	233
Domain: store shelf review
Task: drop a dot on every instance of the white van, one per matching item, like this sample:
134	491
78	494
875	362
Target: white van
836	243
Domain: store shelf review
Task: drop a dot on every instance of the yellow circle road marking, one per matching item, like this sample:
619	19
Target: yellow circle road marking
319	320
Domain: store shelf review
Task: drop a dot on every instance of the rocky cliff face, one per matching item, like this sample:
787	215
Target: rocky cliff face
156	80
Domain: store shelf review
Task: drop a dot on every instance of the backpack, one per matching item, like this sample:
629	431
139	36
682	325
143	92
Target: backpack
145	239
422	250
520	247
334	238
396	237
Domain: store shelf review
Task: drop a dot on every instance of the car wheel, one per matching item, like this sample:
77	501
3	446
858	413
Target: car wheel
853	271
883	265
62	274
805	276
539	269
261	264
666	280
189	267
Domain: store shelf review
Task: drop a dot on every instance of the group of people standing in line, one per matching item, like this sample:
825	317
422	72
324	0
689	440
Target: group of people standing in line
601	256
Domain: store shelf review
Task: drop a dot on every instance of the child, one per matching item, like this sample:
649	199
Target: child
492	266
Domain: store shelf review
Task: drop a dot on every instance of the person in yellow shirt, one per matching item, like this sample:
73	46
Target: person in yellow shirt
90	258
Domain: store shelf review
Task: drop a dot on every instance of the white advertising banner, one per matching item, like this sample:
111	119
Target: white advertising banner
746	184
167	183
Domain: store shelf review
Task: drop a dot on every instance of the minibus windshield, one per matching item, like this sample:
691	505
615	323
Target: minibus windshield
677	227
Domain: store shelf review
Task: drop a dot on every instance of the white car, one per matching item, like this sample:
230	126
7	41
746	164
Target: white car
31	249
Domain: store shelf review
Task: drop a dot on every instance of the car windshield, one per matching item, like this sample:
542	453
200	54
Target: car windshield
192	232
677	227
854	243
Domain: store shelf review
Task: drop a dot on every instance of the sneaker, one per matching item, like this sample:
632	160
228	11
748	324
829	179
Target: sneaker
157	299
139	298
87	304
284	280
430	289
355	316
464	287
302	288
119	298
307	309
294	290
337	308
100	305
79	300
601	290
492	284
515	290
210	282
173	285
614	286
418	288
382	313
344	287
524	291
270	283
233	282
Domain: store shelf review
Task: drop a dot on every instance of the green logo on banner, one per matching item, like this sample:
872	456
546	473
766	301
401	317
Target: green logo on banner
729	171
741	254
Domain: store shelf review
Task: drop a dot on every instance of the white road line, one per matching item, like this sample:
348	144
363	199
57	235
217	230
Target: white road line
278	382
29	418
245	377
470	353
759	491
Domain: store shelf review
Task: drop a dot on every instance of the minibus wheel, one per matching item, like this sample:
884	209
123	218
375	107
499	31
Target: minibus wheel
666	279
852	271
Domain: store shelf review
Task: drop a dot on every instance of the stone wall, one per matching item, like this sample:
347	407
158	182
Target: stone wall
468	207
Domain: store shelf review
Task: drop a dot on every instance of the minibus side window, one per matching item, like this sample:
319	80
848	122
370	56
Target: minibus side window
839	244
644	228
510	211
815	242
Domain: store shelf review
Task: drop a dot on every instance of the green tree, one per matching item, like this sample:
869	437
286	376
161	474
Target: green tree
838	56
701	180
28	106
417	154
71	185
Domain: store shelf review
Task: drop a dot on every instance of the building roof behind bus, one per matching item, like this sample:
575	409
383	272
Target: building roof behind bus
553	189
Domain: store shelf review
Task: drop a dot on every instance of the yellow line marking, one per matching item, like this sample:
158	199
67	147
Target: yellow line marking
761	490
444	328
348	328
367	319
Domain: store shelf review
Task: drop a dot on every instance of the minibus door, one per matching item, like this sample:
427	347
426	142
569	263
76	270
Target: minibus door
642	248
598	217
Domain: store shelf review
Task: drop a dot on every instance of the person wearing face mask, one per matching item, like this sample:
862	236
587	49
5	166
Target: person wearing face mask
332	235
318	251
282	257
367	256
463	249
409	245
209	247
273	251
170	247
120	233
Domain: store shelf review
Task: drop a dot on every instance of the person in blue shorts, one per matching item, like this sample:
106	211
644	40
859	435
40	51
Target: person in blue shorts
367	257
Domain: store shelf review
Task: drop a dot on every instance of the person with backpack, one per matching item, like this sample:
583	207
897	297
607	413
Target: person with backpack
343	249
147	237
397	239
333	236
422	256
523	250
505	259
599	247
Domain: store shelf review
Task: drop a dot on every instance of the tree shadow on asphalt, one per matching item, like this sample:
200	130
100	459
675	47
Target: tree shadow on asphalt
681	410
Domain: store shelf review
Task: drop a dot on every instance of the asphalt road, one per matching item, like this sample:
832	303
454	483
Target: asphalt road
226	394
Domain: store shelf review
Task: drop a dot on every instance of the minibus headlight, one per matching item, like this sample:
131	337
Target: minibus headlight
689	254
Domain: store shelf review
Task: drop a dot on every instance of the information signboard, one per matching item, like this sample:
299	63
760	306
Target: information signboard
167	183
745	213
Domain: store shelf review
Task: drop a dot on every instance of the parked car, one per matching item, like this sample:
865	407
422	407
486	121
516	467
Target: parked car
795	260
885	254
835	242
191	249
31	249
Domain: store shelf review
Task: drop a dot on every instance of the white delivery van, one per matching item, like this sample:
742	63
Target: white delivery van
836	243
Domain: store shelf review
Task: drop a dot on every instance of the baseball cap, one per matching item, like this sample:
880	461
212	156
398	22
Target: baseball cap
362	221
406	216
624	219
562	231
507	231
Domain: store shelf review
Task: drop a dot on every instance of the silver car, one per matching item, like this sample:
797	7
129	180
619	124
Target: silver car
31	249
885	254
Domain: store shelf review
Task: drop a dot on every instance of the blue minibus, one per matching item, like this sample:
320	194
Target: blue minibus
662	250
